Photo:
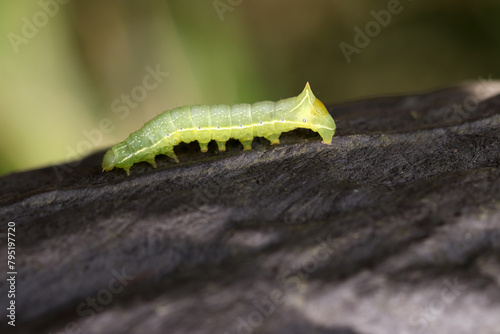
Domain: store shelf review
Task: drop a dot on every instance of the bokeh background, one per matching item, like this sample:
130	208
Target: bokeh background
67	66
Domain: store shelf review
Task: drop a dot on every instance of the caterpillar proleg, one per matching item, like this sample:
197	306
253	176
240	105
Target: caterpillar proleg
220	122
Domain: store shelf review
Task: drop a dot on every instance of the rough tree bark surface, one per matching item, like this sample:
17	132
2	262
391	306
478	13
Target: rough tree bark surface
395	228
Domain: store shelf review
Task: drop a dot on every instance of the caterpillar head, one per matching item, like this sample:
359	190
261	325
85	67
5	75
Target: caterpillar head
314	115
109	161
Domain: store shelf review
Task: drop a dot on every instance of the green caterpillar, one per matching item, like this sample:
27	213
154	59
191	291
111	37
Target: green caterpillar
220	122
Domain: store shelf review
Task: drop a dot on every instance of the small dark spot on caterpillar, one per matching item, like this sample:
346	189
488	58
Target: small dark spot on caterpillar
218	126
282	119
304	120
168	134
181	126
241	125
199	127
260	122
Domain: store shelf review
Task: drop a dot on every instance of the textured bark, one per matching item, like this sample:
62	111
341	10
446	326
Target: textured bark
395	228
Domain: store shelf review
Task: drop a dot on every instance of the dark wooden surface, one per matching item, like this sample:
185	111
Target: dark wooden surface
395	228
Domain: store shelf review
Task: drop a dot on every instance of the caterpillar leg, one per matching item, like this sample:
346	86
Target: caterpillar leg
326	135
221	145
169	152
172	155
274	139
247	144
152	161
203	146
127	170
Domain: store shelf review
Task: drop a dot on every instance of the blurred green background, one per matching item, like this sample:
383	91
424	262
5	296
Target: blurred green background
67	66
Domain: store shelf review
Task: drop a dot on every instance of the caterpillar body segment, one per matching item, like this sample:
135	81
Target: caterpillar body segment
204	123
